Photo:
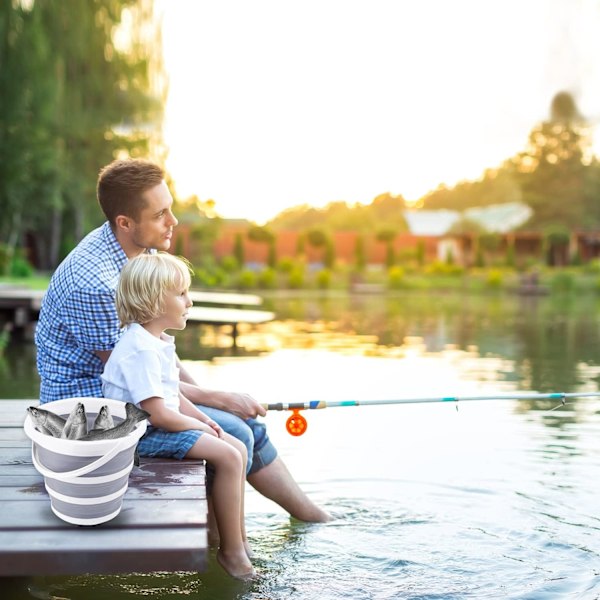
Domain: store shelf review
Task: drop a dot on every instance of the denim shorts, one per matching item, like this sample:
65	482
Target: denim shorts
252	433
167	444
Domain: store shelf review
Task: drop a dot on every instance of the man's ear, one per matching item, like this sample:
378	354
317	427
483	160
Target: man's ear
123	222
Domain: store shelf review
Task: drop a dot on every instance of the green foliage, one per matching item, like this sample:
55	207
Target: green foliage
285	265
70	102
296	278
510	254
420	253
323	279
247	280
262	235
238	249
5	259
317	238
385	210
272	255
494	278
396	278
4	338
438	267
563	282
267	279
329	258
593	266
20	266
230	264
360	257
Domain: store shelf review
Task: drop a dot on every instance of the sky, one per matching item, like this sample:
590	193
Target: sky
277	103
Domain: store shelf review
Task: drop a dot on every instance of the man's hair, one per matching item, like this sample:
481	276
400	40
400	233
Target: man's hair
144	282
121	186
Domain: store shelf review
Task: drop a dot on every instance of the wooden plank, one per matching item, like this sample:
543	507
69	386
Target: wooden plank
137	513
102	551
16	297
226	298
162	525
227	316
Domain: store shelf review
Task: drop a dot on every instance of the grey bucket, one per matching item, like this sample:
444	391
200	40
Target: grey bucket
86	480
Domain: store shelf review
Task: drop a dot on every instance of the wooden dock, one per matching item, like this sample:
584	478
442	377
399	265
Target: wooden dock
21	308
162	525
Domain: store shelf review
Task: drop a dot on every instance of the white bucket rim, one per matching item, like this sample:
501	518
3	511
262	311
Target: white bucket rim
79	447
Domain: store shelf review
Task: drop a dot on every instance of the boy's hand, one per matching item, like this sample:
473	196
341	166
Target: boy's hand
216	428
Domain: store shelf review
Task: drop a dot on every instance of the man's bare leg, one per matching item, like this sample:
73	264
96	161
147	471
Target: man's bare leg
276	483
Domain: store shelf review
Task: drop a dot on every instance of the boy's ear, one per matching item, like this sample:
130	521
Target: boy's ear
123	222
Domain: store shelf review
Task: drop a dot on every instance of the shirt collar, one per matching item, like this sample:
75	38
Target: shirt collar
117	251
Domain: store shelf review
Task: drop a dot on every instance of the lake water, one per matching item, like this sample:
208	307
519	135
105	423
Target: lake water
490	499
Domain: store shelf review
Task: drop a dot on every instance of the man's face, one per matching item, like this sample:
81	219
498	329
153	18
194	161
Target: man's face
154	226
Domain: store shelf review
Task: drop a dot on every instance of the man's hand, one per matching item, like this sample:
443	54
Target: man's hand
243	405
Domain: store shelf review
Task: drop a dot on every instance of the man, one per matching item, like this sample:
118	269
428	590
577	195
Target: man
78	325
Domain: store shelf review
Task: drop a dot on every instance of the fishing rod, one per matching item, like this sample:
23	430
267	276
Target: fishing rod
296	424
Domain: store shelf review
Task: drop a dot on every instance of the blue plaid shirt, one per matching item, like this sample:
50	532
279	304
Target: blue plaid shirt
78	316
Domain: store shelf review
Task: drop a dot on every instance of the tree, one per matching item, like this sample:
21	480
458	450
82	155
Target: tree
71	101
238	250
387	236
552	168
263	235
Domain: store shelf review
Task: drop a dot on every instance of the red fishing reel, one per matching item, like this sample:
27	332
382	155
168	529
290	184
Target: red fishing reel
296	423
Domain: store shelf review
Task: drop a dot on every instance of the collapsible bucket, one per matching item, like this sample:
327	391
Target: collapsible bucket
86	480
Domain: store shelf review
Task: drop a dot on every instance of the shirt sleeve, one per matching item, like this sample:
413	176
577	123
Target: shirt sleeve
141	373
91	316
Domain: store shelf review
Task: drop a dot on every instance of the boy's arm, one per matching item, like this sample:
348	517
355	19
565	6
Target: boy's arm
167	419
189	409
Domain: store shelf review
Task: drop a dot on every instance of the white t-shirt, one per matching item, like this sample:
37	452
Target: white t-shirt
142	366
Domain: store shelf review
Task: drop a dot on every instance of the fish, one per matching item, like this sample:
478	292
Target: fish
104	419
76	425
47	422
134	416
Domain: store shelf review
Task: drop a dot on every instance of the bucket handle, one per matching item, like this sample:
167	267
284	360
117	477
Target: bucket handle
82	470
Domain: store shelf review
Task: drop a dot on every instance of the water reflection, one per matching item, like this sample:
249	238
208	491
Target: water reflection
497	499
537	344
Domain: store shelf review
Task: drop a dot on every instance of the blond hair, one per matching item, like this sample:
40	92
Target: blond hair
143	283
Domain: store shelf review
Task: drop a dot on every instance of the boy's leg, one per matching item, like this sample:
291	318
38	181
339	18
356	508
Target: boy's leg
227	498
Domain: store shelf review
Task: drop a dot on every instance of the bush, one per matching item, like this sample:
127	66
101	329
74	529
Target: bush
323	279
396	278
247	280
563	282
204	278
267	279
296	278
285	265
20	267
593	266
438	267
494	278
229	264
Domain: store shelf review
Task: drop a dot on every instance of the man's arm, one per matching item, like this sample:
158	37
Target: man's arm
240	404
102	355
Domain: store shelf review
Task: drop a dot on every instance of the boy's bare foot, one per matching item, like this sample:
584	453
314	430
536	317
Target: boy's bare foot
237	566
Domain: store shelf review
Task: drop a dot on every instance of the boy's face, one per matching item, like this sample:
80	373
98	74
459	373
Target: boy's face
154	226
177	303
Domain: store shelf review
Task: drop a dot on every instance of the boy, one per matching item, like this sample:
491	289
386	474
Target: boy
152	296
